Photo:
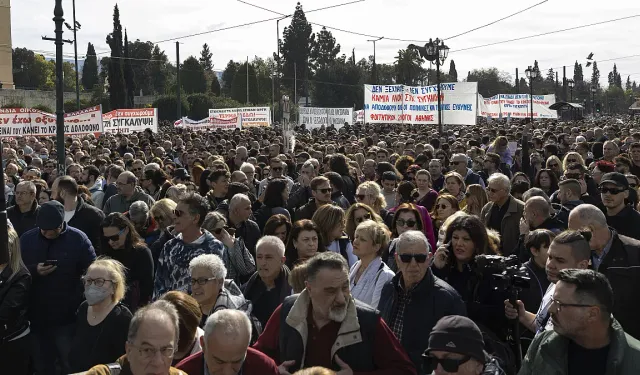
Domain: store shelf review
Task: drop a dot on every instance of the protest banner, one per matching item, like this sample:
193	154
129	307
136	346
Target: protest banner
316	117
222	118
399	104
359	116
517	106
187	122
18	122
254	116
127	121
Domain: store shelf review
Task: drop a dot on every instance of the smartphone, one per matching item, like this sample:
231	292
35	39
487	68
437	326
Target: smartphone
51	262
231	231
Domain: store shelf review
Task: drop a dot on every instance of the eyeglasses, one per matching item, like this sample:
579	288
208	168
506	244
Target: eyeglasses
633	185
406	258
406	223
217	231
148	352
612	191
458	162
571	161
178	213
554	165
448	364
276	169
492	190
441	206
201	281
325	191
360	197
360	219
574	176
116	237
97	282
560	305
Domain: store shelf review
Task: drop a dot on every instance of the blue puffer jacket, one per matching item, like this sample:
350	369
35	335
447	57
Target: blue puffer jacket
55	298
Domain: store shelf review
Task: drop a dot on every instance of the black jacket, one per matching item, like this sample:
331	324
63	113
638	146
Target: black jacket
89	220
621	266
431	299
306	211
156	247
349	189
299	195
626	222
553	224
14	302
250	233
255	288
22	222
140	273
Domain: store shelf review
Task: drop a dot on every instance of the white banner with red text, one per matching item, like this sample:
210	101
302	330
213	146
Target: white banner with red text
517	106
127	121
20	122
399	104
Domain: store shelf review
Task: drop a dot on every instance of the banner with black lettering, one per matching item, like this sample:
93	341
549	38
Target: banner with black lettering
316	117
127	121
20	122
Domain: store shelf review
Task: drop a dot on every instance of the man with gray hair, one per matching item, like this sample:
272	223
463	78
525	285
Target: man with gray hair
239	219
460	164
23	214
618	258
226	350
128	192
415	299
250	171
340	333
503	212
269	285
151	343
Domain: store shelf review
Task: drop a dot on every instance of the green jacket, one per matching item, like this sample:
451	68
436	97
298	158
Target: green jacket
548	354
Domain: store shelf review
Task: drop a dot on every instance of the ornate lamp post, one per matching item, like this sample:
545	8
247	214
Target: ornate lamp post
532	74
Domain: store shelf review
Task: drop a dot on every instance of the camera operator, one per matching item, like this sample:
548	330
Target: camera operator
570	249
455	262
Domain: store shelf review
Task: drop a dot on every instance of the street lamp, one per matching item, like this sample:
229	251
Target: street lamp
435	51
571	84
75	28
532	74
593	100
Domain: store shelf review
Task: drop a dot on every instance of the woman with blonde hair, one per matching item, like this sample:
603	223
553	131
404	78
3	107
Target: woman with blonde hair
572	157
369	193
163	213
476	198
15	283
103	322
446	205
369	274
315	371
330	222
500	146
555	165
454	185
358	213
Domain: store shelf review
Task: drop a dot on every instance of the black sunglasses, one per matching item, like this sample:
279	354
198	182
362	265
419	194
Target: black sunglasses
448	364
612	191
363	218
325	191
406	258
115	237
178	213
408	223
360	197
442	206
276	169
574	176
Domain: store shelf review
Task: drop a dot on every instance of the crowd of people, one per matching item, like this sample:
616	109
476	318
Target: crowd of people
368	249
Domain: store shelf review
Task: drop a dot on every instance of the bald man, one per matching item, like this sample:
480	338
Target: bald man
537	213
618	258
226	350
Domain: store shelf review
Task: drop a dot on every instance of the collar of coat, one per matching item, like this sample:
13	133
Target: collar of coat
348	334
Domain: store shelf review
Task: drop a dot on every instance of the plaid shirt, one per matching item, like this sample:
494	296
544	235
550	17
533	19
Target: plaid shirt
397	321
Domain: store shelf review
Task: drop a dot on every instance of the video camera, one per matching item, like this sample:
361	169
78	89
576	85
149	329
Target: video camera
507	272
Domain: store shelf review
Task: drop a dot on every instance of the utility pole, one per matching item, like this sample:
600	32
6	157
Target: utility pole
375	68
247	80
75	48
178	80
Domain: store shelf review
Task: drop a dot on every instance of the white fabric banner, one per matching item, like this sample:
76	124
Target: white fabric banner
316	117
127	121
517	106
16	122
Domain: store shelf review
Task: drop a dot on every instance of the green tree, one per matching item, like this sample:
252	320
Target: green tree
205	58
239	85
215	85
324	49
491	82
168	107
193	79
408	66
595	76
296	49
339	84
90	69
128	73
227	76
117	88
627	85
453	73
68	75
159	71
199	105
140	61
31	71
536	68
265	69
578	77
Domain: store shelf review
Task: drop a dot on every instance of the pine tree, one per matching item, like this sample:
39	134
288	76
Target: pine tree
324	50
453	73
215	85
536	68
227	76
578	77
595	76
128	73
90	69
627	86
551	76
159	71
295	49
239	85
193	79
205	58
117	89
634	86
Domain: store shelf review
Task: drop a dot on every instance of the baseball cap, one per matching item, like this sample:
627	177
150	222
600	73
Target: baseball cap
615	178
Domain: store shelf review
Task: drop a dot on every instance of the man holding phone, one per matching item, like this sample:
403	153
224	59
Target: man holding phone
57	256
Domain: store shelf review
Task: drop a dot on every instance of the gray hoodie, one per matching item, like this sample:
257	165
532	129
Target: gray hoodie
119	203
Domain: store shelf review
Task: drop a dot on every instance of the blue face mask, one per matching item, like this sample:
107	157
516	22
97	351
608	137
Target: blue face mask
44	156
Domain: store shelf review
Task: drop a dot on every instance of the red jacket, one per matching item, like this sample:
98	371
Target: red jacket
255	363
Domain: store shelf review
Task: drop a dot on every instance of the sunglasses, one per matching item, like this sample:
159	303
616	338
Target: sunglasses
408	223
276	169
612	191
574	176
633	186
448	364
406	258
555	165
492	190
359	220
571	161
442	206
325	191
178	213
116	237
360	197
458	162
217	231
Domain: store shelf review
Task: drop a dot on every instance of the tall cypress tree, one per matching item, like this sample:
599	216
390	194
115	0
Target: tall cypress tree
117	89
297	42
128	73
90	69
453	73
578	77
205	58
595	76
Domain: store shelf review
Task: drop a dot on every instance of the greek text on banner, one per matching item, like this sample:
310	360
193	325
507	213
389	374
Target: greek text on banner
127	121
316	117
17	122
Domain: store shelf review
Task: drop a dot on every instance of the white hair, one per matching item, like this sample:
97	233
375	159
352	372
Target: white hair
237	199
139	212
151	167
212	262
247	166
501	179
228	323
413	237
272	241
157	310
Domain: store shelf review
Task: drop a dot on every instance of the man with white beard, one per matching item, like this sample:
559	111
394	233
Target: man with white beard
324	326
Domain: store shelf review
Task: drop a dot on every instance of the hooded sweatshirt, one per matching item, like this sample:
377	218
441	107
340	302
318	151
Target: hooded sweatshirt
119	203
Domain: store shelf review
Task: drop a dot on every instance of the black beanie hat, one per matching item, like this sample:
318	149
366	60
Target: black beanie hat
458	334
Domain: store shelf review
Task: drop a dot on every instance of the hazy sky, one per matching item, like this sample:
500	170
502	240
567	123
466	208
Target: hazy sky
155	20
